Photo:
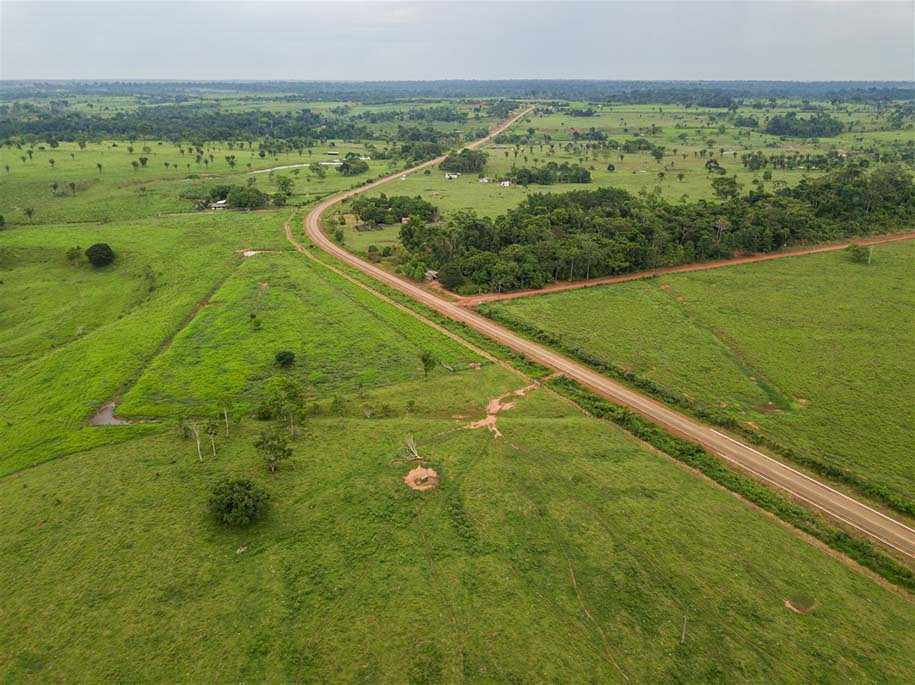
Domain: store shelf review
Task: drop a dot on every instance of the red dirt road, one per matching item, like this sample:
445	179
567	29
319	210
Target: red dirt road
817	495
474	300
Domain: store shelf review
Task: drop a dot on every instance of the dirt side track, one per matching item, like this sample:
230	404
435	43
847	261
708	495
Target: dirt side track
817	495
474	300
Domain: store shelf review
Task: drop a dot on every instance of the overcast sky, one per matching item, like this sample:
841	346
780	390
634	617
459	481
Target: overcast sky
738	39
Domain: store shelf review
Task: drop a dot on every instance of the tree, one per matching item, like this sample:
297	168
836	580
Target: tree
352	167
428	361
284	185
237	502
285	358
273	448
72	186
29	212
100	254
99	165
726	187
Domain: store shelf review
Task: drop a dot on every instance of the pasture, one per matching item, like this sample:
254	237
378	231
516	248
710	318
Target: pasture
812	352
595	550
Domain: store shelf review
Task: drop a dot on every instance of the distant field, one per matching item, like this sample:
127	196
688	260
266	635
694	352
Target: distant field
689	136
604	559
118	191
814	352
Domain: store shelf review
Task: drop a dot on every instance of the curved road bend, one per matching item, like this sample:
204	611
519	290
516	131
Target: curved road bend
815	494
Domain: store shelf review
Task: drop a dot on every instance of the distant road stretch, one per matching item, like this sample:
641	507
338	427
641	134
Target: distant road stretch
815	494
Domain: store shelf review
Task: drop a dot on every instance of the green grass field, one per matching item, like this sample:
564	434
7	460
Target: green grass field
812	352
563	551
602	558
119	192
689	136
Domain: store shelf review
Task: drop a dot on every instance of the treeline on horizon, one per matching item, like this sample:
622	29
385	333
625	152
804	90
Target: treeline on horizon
608	231
635	92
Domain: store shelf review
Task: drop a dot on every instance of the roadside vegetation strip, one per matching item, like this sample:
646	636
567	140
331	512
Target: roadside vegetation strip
696	457
876	491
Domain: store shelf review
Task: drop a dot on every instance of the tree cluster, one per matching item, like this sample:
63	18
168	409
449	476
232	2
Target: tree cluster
549	174
591	233
466	161
790	125
391	210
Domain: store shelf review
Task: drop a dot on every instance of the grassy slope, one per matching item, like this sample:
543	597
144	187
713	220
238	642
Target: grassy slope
825	341
344	339
113	570
99	328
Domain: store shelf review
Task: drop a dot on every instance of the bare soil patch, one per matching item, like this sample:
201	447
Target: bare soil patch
498	404
422	479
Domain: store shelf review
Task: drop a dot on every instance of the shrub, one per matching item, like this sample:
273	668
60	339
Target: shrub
285	358
238	502
100	254
273	448
74	254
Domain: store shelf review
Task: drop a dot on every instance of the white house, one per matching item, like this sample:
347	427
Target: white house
483	179
505	184
219	204
451	176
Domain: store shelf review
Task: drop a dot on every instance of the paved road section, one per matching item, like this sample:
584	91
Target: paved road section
815	494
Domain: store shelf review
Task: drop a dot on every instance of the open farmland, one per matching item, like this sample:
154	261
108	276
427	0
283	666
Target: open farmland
581	539
230	454
812	352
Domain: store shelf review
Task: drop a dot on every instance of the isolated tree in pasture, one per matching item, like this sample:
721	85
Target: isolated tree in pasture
285	358
7	167
135	164
100	254
681	176
23	159
54	187
99	167
29	212
143	161
2	222
237	502
51	162
427	359
726	187
273	448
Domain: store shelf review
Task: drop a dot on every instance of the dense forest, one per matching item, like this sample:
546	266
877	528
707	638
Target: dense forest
590	233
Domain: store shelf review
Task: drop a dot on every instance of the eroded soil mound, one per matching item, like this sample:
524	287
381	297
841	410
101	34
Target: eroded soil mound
421	478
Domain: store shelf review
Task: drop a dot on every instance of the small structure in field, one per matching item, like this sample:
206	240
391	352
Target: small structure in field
431	275
483	179
219	204
505	184
450	175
